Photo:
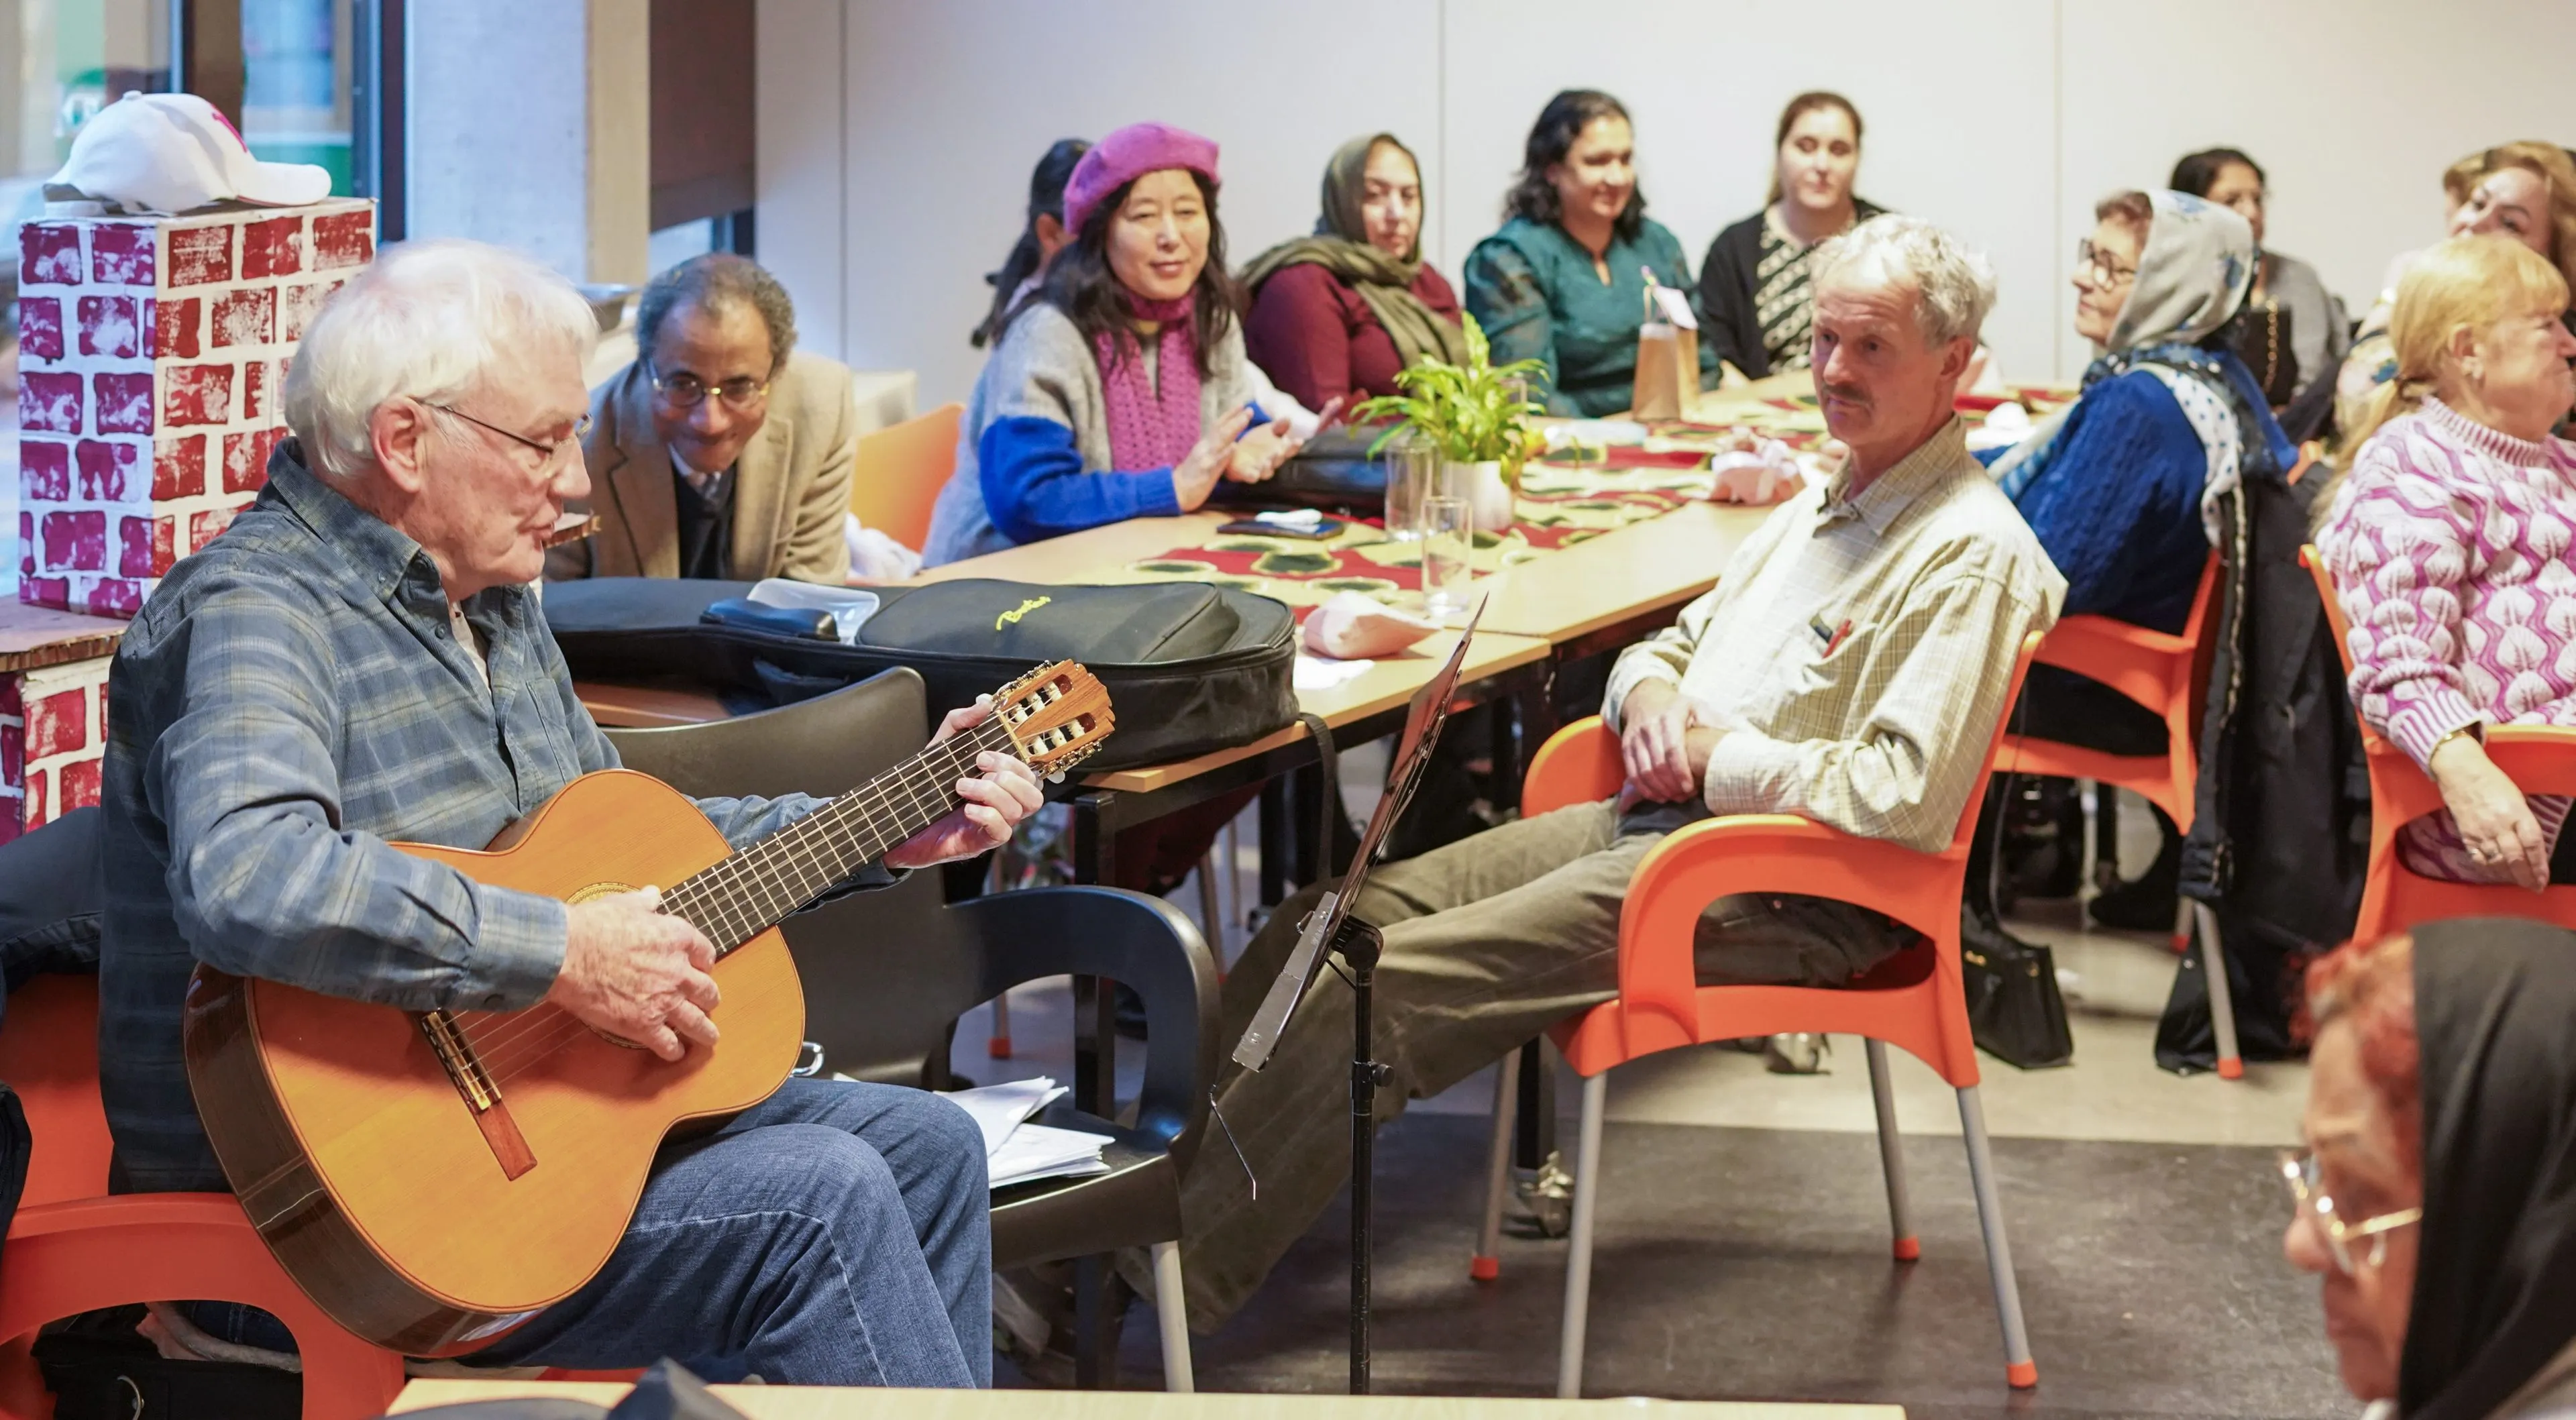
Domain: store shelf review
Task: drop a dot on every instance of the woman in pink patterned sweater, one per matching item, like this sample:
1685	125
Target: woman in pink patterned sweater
2450	545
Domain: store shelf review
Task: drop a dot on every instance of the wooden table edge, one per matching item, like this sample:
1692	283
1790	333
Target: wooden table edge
1149	777
804	1401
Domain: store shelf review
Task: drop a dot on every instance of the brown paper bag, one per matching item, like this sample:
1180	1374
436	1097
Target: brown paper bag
1667	382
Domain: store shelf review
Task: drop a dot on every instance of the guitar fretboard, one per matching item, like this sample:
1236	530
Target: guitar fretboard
755	888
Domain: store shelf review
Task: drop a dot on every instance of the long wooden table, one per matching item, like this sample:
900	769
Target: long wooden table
836	1403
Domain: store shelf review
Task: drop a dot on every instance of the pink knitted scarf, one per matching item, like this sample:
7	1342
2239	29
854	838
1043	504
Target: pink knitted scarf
1152	428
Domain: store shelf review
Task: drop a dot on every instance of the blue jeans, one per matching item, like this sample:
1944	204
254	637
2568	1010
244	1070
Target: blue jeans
834	1234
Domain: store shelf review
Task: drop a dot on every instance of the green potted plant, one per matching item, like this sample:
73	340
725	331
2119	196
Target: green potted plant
1477	415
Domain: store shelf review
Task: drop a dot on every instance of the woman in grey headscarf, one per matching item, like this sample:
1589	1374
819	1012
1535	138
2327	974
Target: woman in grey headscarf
2169	420
1336	314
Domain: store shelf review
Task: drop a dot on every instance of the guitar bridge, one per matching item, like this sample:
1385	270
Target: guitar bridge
482	1095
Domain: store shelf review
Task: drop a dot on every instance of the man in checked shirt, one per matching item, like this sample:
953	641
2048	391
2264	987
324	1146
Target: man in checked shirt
1849	668
358	659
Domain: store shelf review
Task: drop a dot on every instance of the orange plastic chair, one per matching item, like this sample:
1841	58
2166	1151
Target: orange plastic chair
2539	759
899	471
1917	1000
73	1249
2164	674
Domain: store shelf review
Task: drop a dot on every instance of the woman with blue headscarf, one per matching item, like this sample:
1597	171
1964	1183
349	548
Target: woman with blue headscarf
2169	420
2117	487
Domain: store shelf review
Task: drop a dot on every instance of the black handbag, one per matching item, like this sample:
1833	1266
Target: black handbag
2015	1011
1190	666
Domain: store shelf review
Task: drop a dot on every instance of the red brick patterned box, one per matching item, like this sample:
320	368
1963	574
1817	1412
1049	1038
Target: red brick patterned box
53	730
150	356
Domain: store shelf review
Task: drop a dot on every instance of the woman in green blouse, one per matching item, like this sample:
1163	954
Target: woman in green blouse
1563	281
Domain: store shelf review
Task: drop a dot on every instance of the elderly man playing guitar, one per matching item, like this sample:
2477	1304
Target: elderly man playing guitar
359	659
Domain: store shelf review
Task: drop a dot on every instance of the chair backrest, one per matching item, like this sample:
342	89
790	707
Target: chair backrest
49	1056
1996	760
881	986
2315	561
899	471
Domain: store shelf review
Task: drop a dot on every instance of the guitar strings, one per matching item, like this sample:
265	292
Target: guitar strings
522	1039
528	1037
761	869
495	1041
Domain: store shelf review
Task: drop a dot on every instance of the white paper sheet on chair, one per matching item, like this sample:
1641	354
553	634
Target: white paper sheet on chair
1036	1151
1016	1151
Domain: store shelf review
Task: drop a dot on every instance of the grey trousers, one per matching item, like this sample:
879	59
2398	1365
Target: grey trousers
1489	942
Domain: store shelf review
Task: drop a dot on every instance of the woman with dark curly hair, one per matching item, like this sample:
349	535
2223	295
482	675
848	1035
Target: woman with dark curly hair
1564	281
1122	391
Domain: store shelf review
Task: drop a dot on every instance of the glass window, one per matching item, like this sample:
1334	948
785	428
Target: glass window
295	83
60	62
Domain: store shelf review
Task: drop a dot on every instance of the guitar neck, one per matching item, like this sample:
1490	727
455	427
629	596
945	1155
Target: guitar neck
757	887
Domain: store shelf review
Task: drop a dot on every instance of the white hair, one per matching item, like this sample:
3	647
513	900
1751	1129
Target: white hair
1954	286
428	321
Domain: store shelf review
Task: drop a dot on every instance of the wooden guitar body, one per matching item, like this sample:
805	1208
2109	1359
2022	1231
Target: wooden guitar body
376	1182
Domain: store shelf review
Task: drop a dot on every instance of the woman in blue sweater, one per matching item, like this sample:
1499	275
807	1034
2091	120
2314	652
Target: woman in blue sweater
2117	487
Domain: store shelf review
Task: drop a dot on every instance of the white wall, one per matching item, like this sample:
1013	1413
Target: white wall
892	180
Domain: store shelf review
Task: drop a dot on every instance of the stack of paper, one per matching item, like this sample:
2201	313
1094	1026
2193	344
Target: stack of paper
1016	1151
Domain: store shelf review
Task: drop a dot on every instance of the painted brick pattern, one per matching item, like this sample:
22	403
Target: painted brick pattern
53	734
151	353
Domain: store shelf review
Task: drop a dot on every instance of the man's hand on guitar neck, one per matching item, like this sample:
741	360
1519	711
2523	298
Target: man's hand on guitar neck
1003	792
637	973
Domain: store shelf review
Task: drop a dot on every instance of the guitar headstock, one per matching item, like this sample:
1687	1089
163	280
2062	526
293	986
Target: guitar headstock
1057	715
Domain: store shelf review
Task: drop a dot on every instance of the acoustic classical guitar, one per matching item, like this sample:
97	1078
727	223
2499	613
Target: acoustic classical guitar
430	1178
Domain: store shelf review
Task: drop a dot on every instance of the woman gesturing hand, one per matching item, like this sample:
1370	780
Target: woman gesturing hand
1195	476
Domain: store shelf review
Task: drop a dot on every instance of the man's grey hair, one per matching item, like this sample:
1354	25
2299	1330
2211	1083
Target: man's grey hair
712	282
1954	285
430	321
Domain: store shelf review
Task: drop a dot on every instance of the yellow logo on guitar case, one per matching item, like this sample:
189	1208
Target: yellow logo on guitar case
1009	618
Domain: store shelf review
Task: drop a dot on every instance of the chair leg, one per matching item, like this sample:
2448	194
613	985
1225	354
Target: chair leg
1487	1264
2097	846
2182	925
1211	916
2222	1004
1891	1153
999	1047
2019	1368
1174	1314
1578	1265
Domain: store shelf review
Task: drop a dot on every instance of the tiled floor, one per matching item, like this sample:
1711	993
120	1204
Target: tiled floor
1744	1229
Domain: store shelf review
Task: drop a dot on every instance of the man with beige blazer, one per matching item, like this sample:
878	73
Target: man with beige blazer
721	451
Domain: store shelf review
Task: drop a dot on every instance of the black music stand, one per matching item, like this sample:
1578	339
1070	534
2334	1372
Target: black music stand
1330	929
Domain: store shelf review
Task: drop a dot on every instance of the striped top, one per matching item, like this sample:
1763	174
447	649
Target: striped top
1858	648
2449	545
1783	297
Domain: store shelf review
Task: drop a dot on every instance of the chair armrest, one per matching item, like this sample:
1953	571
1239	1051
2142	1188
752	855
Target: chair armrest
2539	759
1576	765
1763	853
1128	937
66	1258
2132	660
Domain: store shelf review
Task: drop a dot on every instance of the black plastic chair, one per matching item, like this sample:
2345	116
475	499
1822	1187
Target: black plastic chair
887	973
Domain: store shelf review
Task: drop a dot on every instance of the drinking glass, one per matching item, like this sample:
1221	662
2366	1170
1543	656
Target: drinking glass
1412	468
1448	542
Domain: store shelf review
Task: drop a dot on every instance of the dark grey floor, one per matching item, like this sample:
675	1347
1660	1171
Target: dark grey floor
1754	1264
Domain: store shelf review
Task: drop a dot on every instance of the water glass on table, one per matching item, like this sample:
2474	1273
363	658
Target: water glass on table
1448	545
1412	471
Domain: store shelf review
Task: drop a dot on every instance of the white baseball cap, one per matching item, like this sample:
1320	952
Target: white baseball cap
173	153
